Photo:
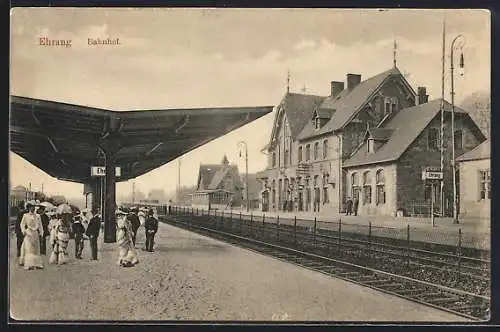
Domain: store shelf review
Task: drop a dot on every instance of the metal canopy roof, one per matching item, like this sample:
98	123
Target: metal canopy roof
64	140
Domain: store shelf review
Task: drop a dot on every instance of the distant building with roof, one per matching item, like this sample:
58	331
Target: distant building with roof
475	182
219	186
323	150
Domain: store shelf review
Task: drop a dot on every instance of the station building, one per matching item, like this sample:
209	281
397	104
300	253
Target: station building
218	187
369	139
475	182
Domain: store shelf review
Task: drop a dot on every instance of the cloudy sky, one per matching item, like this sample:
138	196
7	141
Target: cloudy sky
225	57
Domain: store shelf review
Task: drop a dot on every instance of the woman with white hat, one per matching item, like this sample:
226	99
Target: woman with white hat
62	229
127	255
32	229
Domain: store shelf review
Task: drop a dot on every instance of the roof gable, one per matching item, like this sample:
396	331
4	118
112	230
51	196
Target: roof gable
206	174
402	134
298	109
349	101
482	151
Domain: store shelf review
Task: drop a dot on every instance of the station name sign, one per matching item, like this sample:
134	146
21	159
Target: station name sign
101	171
432	173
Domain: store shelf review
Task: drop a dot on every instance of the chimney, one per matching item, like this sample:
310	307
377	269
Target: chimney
353	80
336	88
423	97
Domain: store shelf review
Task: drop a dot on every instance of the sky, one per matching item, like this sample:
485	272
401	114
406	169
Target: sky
185	58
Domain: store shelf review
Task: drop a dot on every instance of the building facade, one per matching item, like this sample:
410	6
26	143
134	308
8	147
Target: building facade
218	187
370	140
475	182
312	136
385	172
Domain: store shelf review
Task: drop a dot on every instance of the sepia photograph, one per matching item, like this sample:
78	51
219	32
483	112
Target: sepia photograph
249	165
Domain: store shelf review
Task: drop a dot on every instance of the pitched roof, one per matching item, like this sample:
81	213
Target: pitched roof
299	109
406	126
210	176
325	113
482	151
380	134
347	103
206	174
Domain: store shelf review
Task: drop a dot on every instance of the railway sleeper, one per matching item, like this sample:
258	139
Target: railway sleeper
441	300
392	286
378	282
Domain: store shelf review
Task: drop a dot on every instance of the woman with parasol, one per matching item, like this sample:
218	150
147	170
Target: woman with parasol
62	230
127	254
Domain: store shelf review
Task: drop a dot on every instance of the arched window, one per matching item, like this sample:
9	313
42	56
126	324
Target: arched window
433	139
355	185
300	154
354	179
458	139
273	198
285	189
274	159
280	190
308	152
325	149
380	180
316	150
285	157
325	188
367	187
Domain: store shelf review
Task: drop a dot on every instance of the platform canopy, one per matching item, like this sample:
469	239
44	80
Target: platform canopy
66	140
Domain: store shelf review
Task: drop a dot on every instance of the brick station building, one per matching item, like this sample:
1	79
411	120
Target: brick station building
369	139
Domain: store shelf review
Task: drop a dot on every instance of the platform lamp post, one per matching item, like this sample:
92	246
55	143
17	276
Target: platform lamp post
240	143
460	47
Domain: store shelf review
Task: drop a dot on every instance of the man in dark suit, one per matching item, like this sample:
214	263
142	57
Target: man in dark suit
45	223
92	232
135	222
151	226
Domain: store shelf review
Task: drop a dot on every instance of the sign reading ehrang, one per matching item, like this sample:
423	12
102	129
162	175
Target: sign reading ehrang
101	171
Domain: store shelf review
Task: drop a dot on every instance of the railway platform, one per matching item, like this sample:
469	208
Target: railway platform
193	277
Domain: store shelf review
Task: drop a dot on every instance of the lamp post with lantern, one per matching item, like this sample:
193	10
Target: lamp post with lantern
240	143
455	46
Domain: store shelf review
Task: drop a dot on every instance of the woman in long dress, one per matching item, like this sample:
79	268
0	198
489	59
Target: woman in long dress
32	229
60	249
127	254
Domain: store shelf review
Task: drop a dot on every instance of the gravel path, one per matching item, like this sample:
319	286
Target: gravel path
191	277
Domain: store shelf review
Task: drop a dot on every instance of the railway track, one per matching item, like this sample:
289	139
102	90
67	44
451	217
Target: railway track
459	302
456	271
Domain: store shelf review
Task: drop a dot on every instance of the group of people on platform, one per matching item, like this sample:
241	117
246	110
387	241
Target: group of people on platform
34	225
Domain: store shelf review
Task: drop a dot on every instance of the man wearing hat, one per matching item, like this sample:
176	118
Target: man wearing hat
45	224
78	230
151	227
135	222
93	232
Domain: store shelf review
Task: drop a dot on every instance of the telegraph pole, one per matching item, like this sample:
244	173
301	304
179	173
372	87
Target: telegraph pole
246	171
453	161
441	191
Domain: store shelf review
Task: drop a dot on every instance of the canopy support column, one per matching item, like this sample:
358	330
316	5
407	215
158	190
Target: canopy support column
110	200
110	148
96	194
